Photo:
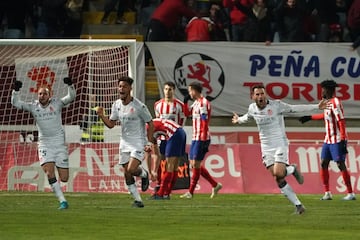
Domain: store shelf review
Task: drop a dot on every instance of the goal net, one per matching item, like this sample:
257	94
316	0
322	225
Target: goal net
94	67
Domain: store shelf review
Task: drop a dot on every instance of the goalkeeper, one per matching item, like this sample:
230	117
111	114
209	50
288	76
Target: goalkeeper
52	151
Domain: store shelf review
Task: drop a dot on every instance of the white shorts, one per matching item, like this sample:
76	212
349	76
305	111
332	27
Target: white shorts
279	154
126	155
57	154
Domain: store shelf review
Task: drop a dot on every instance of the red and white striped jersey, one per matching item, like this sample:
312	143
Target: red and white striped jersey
170	110
164	127
332	116
201	112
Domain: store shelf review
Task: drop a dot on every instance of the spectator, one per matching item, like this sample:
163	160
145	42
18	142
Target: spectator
258	28
109	6
353	21
51	19
221	22
199	28
166	17
237	17
290	19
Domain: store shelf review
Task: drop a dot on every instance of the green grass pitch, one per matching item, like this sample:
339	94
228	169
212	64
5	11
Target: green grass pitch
29	216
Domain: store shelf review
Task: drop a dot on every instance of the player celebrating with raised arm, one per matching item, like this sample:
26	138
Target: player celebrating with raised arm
52	151
201	112
334	147
269	117
133	116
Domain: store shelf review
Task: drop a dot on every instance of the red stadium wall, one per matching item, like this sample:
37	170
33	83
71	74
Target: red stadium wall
237	166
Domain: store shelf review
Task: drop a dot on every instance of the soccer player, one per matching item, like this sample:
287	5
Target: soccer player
201	112
269	117
52	151
171	108
175	138
335	142
133	116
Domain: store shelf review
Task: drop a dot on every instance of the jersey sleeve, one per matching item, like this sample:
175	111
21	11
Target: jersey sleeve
19	104
70	95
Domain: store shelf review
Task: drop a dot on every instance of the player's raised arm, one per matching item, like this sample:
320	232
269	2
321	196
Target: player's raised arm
71	91
101	113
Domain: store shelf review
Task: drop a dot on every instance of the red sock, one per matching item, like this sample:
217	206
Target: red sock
347	180
159	173
205	173
324	174
165	180
194	179
173	181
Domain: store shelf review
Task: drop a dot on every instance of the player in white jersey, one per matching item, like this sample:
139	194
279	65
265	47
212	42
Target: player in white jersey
52	150
269	117
335	142
171	108
132	115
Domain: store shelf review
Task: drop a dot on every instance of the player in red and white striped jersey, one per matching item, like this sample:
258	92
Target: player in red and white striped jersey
201	112
335	142
175	138
171	108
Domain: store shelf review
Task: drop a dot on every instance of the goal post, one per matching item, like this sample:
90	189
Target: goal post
94	66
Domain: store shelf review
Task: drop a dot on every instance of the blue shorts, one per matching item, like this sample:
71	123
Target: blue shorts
198	149
162	147
175	146
332	152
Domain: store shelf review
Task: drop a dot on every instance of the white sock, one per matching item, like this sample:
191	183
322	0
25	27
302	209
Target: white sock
290	170
143	173
134	192
57	190
290	194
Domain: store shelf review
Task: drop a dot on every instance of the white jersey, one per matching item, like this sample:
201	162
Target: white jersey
132	118
270	121
48	119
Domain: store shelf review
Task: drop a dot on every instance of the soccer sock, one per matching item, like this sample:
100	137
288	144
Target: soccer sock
55	186
290	170
324	174
205	173
165	180
174	176
288	192
134	192
194	179
159	173
347	180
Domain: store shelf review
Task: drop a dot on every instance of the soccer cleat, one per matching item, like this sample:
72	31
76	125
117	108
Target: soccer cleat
63	205
300	209
327	196
349	196
137	204
215	190
145	182
156	197
186	195
166	197
297	174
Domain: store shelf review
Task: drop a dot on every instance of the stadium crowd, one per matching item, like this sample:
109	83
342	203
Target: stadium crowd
193	20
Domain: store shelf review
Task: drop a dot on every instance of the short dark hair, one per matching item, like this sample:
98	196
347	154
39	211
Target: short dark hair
329	84
258	85
171	84
127	79
196	86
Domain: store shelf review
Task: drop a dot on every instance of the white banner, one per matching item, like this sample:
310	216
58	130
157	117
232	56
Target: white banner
291	72
37	72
